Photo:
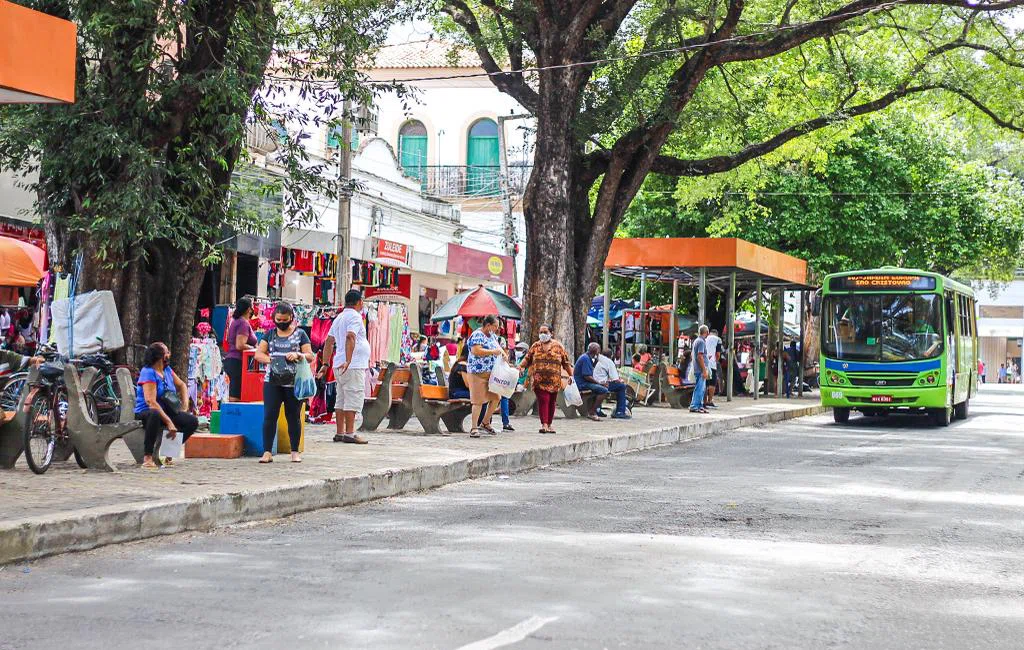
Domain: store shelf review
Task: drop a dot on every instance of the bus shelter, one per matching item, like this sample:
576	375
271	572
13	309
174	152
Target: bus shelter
725	265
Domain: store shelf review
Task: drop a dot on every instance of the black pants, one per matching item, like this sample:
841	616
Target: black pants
233	369
153	425
273	398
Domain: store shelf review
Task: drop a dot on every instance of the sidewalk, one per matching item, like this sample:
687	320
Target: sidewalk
70	509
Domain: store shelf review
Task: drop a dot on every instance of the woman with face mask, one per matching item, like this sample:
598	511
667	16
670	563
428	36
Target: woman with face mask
155	405
545	360
484	350
281	349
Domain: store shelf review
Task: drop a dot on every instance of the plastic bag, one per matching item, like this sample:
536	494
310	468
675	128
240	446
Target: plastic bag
504	379
305	383
572	394
171	448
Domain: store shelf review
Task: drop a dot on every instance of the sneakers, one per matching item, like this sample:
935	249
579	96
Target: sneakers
507	427
711	405
621	416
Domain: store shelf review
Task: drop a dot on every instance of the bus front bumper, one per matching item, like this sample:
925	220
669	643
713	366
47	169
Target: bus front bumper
878	398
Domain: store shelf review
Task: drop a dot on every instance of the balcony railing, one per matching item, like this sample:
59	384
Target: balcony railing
468	180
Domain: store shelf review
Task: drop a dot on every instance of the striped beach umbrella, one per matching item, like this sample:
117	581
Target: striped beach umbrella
478	303
21	264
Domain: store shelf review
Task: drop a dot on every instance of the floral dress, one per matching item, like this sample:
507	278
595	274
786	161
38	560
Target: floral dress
547	360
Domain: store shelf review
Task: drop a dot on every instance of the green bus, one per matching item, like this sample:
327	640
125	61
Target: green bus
897	339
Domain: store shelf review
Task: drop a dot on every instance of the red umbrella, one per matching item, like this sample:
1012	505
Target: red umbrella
478	303
21	264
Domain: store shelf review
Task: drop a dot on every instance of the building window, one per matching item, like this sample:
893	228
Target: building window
482	162
334	137
412	150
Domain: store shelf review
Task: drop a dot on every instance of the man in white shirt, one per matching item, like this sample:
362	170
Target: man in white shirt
350	362
714	344
606	374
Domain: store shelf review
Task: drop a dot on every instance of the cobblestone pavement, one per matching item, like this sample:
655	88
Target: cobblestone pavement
66	488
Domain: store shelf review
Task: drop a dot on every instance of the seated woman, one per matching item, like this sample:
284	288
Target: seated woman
161	401
457	386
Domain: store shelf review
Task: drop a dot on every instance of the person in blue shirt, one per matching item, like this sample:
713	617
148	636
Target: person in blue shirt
155	405
583	374
701	371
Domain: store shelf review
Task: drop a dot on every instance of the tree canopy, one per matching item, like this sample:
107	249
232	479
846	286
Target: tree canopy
623	88
898	190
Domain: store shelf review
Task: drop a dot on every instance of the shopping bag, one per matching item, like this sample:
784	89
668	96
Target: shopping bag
690	378
504	379
572	394
305	383
171	448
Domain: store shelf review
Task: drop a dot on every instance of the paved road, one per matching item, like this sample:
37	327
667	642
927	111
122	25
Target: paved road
882	534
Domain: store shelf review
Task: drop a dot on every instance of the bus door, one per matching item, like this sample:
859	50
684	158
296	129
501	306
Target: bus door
952	340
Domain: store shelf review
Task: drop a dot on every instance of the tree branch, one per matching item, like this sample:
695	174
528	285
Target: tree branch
716	164
509	82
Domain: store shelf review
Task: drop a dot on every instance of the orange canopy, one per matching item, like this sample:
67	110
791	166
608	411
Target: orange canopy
682	258
21	263
37	56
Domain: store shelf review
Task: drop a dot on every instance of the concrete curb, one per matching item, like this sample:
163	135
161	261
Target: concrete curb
37	537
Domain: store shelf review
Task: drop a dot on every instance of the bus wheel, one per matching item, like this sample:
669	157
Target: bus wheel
961	409
841	415
941	417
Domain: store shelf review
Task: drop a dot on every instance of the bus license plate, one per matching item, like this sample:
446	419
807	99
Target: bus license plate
881	399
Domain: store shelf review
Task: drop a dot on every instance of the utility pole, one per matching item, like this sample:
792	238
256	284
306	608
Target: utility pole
509	236
344	241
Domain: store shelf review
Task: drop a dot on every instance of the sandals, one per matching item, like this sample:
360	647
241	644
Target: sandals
266	461
475	433
487	429
593	418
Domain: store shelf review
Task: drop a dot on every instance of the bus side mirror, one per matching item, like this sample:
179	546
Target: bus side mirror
816	303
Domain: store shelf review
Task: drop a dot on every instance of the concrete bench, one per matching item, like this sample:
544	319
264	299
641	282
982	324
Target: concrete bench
91	439
390	399
431	405
12	429
574	412
672	388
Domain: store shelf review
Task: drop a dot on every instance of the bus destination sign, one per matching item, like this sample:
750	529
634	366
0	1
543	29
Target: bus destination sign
882	282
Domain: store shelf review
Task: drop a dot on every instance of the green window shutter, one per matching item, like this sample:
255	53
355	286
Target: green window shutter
482	159
412	152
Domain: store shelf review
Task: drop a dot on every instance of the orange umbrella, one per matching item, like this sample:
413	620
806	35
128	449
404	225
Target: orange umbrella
21	263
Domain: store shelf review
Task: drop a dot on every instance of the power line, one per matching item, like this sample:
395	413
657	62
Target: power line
626	57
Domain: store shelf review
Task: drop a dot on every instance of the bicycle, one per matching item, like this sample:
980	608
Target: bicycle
46	426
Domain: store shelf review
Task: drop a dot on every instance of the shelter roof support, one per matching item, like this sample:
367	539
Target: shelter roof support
756	356
730	336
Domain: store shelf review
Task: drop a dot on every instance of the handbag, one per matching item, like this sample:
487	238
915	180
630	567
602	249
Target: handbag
170	401
282	371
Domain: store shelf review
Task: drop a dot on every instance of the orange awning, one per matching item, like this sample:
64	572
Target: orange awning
682	258
37	56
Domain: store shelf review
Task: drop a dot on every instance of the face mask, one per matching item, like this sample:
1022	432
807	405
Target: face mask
284	326
544	338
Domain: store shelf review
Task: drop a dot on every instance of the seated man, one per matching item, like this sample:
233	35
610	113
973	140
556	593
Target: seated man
583	374
607	375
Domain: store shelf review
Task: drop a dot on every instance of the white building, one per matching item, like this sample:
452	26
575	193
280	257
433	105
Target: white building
446	136
1000	323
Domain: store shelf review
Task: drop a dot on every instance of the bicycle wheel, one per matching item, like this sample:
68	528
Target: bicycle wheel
40	435
106	396
11	392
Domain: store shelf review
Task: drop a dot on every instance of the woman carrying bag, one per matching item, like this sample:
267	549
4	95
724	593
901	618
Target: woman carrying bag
546	359
484	350
282	350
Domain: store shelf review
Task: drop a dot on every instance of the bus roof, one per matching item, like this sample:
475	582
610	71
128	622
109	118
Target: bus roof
945	282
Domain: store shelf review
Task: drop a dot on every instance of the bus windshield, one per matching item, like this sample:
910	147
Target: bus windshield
882	327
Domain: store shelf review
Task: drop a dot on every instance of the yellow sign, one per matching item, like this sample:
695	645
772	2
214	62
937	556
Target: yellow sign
495	265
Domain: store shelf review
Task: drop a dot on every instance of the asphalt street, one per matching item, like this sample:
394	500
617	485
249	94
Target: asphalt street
885	533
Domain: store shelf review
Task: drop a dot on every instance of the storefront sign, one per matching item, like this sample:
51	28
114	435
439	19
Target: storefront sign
403	290
391	253
479	264
28	234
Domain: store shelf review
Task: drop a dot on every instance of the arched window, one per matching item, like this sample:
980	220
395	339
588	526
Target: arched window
412	149
482	158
